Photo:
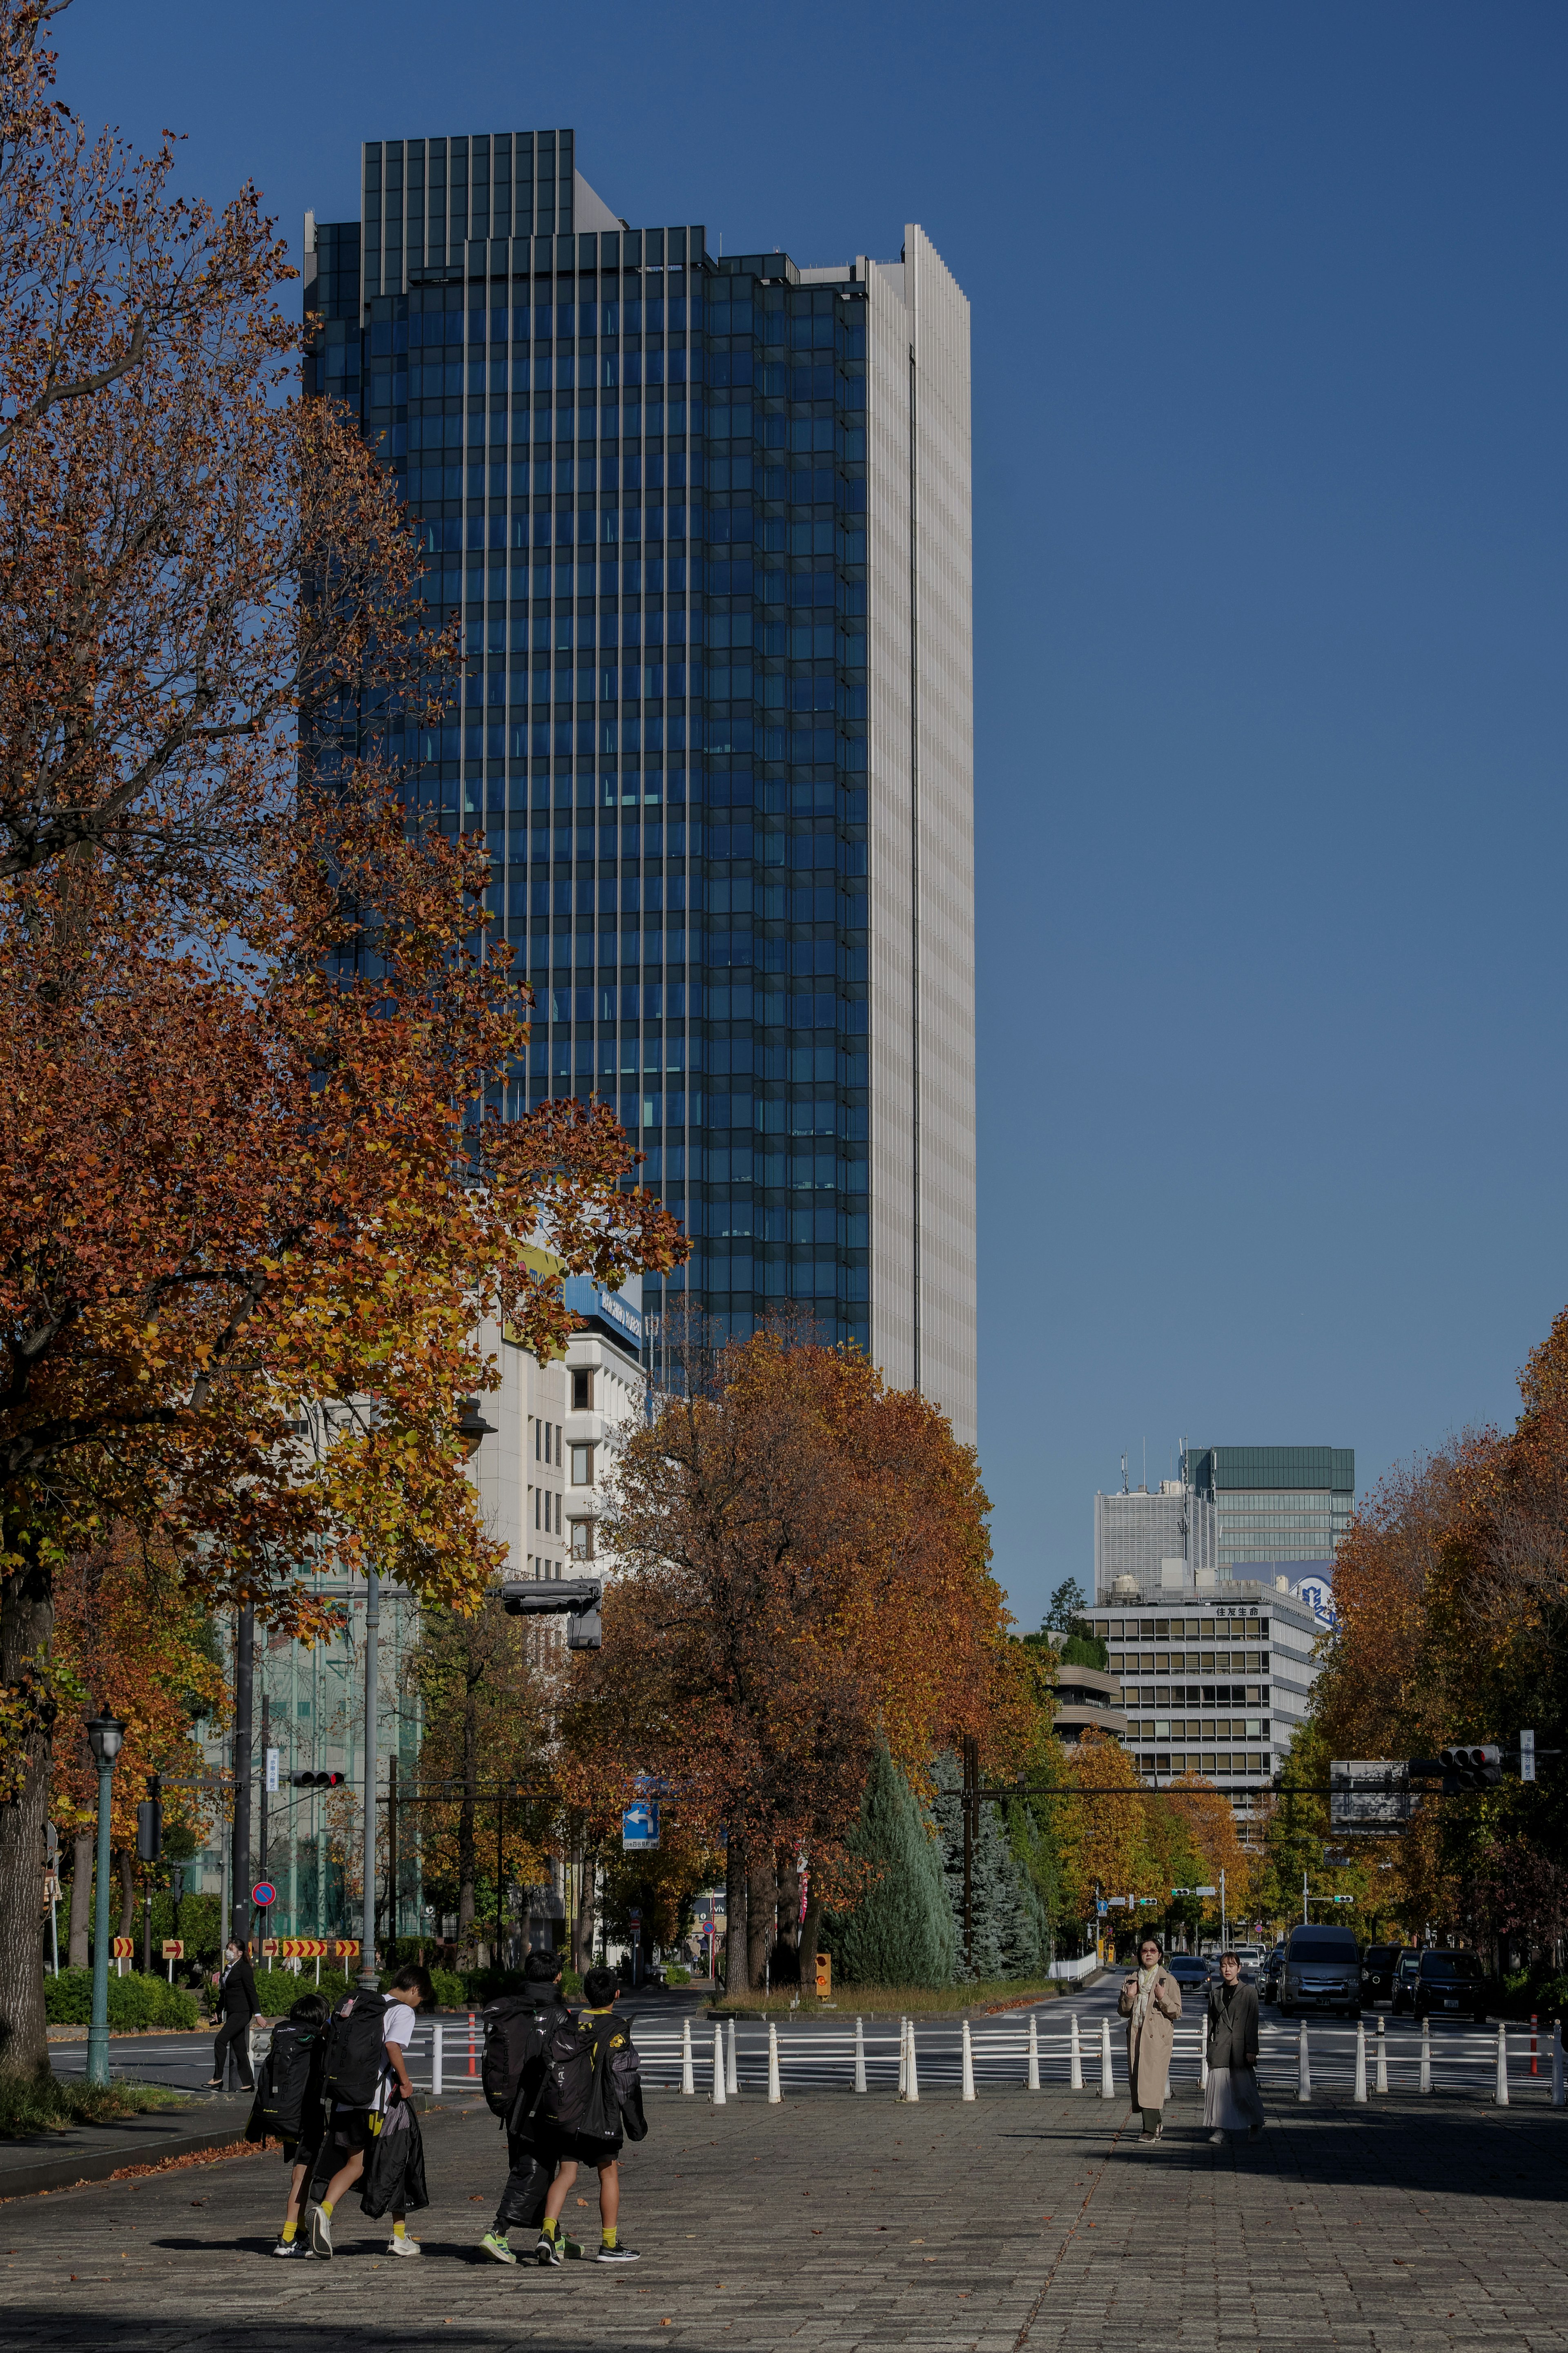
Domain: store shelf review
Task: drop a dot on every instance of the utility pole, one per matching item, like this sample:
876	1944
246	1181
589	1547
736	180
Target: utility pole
392	1848
971	1805
261	1853
244	1668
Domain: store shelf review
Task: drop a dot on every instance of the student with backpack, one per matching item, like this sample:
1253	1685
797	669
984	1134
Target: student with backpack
590	2097
291	2104
517	2028
367	2083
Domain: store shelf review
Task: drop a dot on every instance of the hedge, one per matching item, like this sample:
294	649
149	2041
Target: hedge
134	2001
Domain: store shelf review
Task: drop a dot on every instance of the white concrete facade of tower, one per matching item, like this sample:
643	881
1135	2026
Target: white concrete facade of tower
545	1477
922	760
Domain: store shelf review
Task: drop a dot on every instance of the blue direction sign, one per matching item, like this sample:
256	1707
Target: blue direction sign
640	1825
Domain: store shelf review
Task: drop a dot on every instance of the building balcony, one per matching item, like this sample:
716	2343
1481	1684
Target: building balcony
1086	1697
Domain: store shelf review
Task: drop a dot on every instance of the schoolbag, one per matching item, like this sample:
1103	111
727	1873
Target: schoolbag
514	2036
577	2094
284	2082
356	2054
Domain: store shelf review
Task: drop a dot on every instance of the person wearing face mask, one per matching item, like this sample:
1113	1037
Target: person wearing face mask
237	2006
1151	2002
1231	2101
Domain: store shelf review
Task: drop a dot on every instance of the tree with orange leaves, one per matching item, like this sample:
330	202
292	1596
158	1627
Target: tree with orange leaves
256	1197
803	1569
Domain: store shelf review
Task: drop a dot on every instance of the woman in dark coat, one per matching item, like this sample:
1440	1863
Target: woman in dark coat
1231	2099
236	2004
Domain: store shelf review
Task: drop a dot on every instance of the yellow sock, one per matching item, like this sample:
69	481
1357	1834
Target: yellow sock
550	2227
399	2230
289	2231
327	2207
608	2234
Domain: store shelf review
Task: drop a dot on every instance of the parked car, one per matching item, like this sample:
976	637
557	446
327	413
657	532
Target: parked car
1251	1960
1323	1971
1272	1971
1447	1984
1190	1971
1378	1964
1403	1988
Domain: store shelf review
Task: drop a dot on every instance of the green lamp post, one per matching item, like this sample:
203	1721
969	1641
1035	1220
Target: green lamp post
105	1734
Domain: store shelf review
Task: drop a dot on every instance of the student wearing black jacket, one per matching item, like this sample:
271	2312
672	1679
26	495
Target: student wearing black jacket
237	2006
528	2181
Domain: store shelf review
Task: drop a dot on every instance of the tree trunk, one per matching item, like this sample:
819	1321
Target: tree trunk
737	1975
79	1952
761	1892
583	1925
27	1633
466	1813
125	1863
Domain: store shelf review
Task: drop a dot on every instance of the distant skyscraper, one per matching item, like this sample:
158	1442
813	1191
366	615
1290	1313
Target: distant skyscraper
707	523
1280	1510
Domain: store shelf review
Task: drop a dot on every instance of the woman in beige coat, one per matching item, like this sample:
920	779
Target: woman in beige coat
1151	2002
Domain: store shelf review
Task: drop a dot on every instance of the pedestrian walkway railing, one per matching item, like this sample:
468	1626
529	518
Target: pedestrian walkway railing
864	2055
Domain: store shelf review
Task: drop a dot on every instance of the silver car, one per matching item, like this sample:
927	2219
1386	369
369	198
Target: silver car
1321	1972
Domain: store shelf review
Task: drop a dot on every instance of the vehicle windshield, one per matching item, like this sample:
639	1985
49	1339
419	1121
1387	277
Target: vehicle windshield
1450	1965
1408	1964
1323	1947
1378	1957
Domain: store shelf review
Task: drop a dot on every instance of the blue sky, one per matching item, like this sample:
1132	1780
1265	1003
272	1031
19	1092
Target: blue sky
1269	631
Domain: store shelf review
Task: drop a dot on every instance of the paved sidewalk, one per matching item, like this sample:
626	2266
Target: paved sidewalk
55	2160
1020	2224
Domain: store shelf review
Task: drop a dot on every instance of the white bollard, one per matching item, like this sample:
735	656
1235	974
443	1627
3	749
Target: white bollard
438	2083
1107	2081
774	2094
1033	2080
967	2090
1382	2057
1501	2064
1203	2051
1077	2077
718	2064
1557	2084
913	2088
903	2056
688	2080
860	2054
1359	2094
1425	2083
731	2080
1304	2064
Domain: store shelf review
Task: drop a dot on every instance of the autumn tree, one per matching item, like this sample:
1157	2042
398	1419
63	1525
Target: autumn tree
1104	1844
803	1569
256	1197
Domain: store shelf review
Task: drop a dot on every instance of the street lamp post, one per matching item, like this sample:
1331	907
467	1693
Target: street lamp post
104	1735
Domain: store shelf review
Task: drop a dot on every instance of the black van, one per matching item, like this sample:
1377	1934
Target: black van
1322	1972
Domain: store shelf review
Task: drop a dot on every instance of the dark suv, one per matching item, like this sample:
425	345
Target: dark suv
1273	1969
1449	1985
1378	1964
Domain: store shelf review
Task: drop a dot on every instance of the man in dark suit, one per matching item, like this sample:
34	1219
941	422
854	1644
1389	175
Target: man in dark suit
237	2006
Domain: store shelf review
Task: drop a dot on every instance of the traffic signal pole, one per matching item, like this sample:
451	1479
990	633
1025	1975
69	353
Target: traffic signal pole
244	1669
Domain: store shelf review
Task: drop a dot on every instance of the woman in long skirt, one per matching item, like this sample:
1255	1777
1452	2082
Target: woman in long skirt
1231	2100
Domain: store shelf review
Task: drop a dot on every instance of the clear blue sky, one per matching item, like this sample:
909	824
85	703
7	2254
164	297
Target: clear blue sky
1269	630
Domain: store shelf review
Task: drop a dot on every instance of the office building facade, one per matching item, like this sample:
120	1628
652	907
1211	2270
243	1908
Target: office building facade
1163	1536
1278	1510
706	521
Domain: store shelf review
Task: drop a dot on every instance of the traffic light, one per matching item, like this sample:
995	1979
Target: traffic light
317	1780
148	1830
1470	1768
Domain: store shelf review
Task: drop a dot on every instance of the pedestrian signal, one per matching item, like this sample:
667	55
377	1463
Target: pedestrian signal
148	1830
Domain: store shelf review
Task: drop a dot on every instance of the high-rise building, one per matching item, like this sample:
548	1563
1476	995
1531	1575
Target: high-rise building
707	523
1278	1510
1164	1537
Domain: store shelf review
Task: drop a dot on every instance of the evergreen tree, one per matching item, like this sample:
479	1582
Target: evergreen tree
1010	1930
901	1933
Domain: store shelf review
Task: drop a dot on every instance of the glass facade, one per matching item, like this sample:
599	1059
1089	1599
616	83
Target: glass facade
639	474
1276	1506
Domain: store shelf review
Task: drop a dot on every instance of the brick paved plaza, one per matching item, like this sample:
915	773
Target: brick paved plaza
843	2223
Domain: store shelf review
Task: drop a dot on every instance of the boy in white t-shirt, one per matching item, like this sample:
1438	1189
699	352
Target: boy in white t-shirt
351	2129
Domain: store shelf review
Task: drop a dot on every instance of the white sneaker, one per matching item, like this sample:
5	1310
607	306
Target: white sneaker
321	2233
404	2246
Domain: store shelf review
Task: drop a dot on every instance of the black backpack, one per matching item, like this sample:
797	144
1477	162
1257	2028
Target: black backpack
515	2029
356	2054
289	2079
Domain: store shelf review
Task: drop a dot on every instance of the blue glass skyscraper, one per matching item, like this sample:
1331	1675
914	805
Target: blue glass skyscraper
707	523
